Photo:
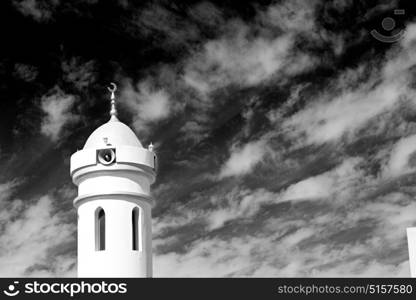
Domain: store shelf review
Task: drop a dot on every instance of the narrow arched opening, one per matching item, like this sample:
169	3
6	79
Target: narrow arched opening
135	223
99	229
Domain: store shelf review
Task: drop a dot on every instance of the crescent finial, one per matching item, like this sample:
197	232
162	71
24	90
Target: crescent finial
113	112
112	89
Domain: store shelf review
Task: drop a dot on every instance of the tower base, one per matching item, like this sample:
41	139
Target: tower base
411	240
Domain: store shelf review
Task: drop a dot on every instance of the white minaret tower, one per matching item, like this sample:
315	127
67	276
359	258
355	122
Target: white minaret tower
411	240
113	173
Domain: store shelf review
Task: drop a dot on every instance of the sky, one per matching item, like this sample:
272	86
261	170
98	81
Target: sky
285	131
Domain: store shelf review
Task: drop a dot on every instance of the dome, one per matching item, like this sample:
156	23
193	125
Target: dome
117	133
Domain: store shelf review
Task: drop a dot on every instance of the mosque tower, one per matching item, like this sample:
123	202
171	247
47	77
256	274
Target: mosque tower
411	240
113	173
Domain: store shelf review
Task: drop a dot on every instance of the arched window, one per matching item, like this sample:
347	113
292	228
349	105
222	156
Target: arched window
99	229
135	223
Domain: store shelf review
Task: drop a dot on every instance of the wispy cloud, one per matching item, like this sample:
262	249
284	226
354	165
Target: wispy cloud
400	159
242	53
329	241
315	215
236	60
25	72
81	74
346	108
58	109
149	104
333	183
37	9
243	158
244	58
31	235
7	188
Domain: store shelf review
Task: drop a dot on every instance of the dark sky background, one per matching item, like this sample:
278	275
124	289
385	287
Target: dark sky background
285	131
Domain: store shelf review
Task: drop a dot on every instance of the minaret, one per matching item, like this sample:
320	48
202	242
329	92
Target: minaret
113	173
411	240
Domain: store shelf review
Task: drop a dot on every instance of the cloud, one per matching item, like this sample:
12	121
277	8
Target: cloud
166	26
246	59
348	105
149	105
57	108
222	206
332	241
243	159
237	204
238	53
236	60
409	37
7	188
80	73
372	269
399	162
325	121
340	183
25	72
37	9
336	182
30	236
311	188
208	255
292	16
313	219
329	213
261	256
264	233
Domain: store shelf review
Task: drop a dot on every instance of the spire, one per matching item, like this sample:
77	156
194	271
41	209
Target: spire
113	111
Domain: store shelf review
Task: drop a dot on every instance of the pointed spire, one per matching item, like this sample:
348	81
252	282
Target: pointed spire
113	111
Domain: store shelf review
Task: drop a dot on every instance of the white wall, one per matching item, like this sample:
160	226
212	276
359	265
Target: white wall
411	240
118	259
117	188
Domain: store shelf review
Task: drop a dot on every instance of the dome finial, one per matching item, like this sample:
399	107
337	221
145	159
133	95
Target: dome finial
113	111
